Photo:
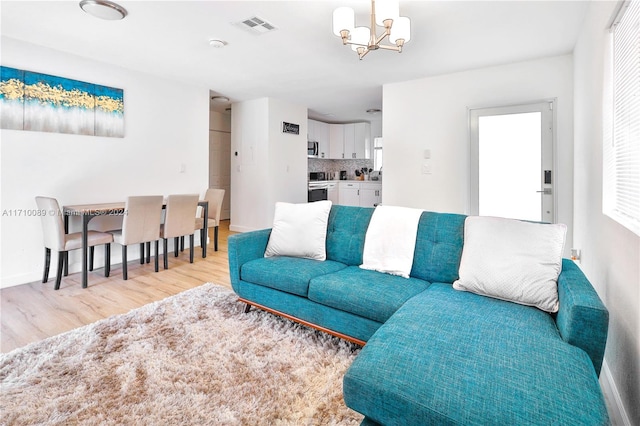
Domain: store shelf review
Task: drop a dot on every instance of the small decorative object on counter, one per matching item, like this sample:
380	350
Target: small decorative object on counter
363	173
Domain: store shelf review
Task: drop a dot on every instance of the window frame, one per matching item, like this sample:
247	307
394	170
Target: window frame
621	119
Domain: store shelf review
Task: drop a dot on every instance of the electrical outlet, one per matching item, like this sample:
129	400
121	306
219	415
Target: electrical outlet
426	168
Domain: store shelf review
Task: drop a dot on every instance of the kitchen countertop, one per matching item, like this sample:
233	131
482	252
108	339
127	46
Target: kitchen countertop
348	180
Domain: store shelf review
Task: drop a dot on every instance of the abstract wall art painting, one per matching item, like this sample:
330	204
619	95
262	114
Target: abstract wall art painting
11	98
46	103
58	105
109	111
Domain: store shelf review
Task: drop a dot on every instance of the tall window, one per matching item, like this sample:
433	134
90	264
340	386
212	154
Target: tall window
621	150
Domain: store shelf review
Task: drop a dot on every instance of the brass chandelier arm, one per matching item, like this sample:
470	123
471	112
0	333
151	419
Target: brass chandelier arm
363	53
385	34
390	47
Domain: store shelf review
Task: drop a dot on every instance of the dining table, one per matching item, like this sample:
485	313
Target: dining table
88	211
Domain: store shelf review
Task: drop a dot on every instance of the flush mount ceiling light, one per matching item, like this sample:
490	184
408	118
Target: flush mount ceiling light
384	13
214	42
103	9
221	99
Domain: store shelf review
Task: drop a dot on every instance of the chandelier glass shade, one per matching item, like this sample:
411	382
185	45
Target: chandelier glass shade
384	13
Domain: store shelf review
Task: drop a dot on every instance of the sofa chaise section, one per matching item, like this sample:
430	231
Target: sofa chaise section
457	358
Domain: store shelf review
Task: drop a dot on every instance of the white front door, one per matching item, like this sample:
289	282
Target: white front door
512	173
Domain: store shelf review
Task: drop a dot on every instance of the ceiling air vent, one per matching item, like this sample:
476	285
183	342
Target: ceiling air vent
256	25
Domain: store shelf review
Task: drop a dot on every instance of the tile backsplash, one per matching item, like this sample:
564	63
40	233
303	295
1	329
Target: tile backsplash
318	165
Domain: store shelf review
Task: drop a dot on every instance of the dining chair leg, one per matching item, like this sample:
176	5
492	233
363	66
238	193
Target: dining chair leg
92	250
191	238
142	253
61	262
203	240
215	238
176	245
47	262
148	252
66	263
182	243
107	259
157	254
125	276
165	247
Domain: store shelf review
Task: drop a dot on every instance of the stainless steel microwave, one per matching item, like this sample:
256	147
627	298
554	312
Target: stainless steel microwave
312	149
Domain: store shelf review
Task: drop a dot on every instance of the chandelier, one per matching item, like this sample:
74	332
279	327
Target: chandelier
384	13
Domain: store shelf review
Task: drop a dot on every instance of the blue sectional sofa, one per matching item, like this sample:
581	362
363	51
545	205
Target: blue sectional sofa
433	354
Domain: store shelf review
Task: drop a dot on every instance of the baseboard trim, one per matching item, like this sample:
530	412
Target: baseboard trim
617	413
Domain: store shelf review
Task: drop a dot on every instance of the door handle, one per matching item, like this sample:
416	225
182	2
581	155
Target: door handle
545	191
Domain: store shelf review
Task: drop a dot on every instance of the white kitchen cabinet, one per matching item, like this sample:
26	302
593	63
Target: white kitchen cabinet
370	194
322	137
357	140
333	194
336	141
349	193
319	132
362	140
349	140
311	130
363	194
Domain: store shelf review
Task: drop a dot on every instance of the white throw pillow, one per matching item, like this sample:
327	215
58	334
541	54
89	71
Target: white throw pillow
299	230
512	260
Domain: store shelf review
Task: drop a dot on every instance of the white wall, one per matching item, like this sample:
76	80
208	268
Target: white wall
431	113
270	166
166	125
610	253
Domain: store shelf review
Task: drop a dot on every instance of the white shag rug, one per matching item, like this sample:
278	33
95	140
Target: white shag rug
192	359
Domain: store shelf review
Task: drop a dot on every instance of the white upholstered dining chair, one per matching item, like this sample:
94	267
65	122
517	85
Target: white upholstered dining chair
140	225
178	222
215	197
56	239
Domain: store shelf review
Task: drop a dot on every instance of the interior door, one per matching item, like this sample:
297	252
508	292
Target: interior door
512	162
220	167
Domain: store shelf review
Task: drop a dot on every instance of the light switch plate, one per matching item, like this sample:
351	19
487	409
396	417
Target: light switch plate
427	154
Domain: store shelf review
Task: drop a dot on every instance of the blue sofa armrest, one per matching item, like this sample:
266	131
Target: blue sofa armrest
245	247
582	318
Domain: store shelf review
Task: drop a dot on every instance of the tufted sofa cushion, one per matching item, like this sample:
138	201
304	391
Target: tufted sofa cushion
345	233
289	274
438	247
366	293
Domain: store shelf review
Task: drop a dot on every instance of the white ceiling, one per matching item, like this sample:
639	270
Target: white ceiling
302	61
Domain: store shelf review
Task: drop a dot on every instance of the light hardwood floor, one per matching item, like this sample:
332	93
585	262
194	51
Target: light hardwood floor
35	311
